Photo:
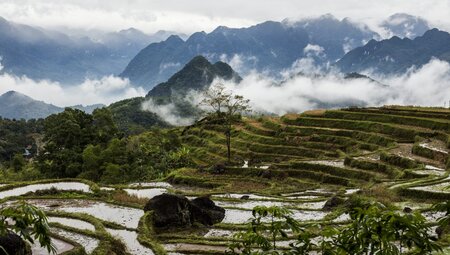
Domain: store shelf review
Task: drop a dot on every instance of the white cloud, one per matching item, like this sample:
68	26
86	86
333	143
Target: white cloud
427	86
105	90
169	112
198	15
240	63
313	50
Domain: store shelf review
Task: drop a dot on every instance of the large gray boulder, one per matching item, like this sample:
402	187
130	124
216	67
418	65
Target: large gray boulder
206	212
171	210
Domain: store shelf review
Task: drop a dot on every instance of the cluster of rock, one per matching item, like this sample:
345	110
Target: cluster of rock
170	210
12	244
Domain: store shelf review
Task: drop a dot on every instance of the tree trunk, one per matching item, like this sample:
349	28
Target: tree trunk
228	135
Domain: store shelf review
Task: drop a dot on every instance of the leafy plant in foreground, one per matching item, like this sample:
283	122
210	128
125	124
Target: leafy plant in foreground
374	229
28	222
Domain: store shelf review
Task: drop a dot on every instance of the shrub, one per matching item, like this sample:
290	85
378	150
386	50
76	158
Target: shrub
399	161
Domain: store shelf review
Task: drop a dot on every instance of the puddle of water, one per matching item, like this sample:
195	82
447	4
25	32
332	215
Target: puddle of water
145	193
235	216
246	204
433	216
304	197
125	216
219	233
430	167
430	172
107	188
342	218
251	196
89	244
35	187
130	240
74	223
151	184
251	204
309	193
338	163
351	191
60	246
431	147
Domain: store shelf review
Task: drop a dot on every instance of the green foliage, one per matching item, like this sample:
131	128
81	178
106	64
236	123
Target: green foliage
225	110
399	161
261	238
16	135
377	230
18	162
130	118
370	166
374	230
143	157
438	124
403	134
429	153
28	222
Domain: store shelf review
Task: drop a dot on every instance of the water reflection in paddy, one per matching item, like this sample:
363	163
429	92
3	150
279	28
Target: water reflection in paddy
235	216
89	244
145	193
130	239
45	186
125	216
60	246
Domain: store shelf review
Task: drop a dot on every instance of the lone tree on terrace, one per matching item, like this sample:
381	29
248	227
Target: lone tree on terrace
225	109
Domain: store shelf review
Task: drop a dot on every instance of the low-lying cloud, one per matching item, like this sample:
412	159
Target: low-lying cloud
92	91
306	87
426	86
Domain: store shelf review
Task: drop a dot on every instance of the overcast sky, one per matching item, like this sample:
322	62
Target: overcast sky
188	16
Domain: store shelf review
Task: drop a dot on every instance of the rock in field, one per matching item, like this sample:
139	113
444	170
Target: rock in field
206	212
13	245
171	210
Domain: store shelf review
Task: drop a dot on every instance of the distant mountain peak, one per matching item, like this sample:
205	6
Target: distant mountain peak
174	38
396	55
197	74
12	94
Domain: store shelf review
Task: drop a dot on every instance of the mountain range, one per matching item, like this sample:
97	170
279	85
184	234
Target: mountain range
396	55
269	46
15	105
148	60
45	54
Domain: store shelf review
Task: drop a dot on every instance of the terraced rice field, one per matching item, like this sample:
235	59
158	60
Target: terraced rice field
295	161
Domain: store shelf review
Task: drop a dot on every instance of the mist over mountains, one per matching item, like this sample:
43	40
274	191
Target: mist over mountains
298	63
46	54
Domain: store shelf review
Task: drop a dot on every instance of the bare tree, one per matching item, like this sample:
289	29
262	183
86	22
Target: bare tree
225	109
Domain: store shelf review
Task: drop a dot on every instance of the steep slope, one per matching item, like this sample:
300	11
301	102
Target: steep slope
198	74
267	46
396	55
166	104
